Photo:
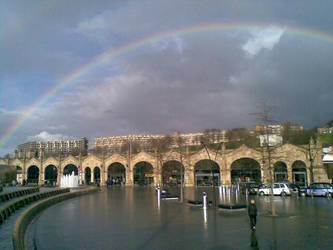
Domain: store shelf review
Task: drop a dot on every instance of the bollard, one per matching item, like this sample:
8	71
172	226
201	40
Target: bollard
158	192
220	193
204	200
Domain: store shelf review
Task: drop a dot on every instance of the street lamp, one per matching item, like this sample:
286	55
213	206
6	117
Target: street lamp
211	170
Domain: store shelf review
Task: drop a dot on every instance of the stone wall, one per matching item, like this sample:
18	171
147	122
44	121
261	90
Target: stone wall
287	153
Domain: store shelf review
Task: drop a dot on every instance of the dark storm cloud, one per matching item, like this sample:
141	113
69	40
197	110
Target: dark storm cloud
186	82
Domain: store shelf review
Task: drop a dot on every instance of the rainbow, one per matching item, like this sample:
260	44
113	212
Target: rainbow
111	53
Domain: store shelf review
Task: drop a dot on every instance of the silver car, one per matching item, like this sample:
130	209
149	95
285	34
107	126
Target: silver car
320	189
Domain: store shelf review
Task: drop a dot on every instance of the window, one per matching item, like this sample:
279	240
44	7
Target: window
276	186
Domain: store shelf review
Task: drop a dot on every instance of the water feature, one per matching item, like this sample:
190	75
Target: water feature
69	181
129	218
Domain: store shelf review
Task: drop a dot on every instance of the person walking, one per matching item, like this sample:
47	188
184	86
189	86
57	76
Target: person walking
252	211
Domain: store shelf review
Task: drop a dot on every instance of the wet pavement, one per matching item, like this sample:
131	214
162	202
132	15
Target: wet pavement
131	218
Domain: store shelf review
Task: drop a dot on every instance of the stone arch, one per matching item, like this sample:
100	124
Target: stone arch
143	157
243	152
203	155
116	173
34	162
172	156
69	168
143	173
50	161
300	173
207	173
245	169
33	173
91	160
16	162
173	172
70	160
280	171
50	174
116	158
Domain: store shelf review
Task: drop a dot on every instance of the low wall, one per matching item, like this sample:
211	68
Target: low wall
14	194
11	206
29	214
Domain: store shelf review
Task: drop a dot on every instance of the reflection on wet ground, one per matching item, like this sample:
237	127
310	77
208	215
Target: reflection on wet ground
131	218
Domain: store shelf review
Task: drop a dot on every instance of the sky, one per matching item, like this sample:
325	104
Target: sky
55	85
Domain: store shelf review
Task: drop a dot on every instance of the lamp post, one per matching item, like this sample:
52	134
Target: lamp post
181	179
267	144
211	170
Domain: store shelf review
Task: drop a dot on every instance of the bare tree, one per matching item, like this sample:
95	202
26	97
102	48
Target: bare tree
160	146
133	147
180	145
265	117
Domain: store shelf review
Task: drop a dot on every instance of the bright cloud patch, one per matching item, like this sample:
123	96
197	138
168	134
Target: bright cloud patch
174	42
262	39
45	136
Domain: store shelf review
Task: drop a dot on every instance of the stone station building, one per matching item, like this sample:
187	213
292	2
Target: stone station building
290	162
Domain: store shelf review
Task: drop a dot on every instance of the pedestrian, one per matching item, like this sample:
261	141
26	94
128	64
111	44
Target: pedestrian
252	211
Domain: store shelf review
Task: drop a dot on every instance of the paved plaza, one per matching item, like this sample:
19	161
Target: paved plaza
131	218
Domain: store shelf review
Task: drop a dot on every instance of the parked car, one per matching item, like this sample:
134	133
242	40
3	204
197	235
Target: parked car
278	189
253	187
320	189
294	188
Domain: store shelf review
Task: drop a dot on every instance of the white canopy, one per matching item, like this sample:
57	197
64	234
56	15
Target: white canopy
328	158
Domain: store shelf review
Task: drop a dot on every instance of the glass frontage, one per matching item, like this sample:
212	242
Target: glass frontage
329	170
116	174
87	175
299	174
97	175
172	173
280	171
245	170
207	173
33	174
143	173
51	175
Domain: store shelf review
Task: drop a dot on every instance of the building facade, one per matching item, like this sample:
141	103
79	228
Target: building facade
52	148
114	144
272	140
288	162
325	130
276	129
